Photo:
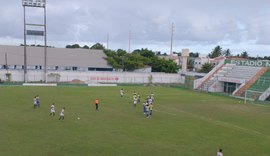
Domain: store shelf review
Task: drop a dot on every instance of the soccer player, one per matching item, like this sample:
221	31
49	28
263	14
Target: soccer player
122	92
134	97
151	110
150	101
144	107
135	101
138	98
219	153
97	104
35	102
147	99
52	110
147	110
152	96
62	114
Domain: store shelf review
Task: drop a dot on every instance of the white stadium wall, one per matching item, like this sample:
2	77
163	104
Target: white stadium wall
93	77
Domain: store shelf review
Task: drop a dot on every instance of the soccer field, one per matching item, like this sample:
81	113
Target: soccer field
184	123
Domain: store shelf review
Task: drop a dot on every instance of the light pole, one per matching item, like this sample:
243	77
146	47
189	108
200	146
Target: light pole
36	4
171	48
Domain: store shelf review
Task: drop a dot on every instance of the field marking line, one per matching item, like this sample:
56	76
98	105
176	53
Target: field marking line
165	112
260	105
218	122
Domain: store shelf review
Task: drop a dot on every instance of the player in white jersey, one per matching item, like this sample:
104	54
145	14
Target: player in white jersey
121	92
35	102
219	153
52	110
62	114
150	101
152	96
135	101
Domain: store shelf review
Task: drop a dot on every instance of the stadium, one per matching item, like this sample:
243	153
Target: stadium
73	102
183	122
240	78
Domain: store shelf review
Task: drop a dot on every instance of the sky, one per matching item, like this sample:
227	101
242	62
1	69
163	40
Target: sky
199	25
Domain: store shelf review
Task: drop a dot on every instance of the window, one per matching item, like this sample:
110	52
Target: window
36	67
91	69
67	68
74	68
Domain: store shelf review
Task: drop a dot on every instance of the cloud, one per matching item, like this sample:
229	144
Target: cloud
198	24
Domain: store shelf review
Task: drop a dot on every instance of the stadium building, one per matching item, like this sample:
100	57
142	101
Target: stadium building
241	78
12	58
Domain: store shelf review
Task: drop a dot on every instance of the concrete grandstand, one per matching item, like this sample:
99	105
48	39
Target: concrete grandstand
235	77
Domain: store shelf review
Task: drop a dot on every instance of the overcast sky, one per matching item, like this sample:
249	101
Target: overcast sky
200	25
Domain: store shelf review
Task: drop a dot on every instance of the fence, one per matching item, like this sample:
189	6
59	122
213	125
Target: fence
92	77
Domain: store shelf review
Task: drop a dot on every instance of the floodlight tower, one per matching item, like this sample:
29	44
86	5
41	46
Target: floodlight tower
40	4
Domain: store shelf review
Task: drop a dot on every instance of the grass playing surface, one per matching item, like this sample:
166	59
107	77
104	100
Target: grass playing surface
184	123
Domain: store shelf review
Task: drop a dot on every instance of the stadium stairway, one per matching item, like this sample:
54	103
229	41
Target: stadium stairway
205	83
250	82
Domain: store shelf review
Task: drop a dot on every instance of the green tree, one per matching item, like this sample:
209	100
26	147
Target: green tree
121	52
145	52
120	59
98	46
216	52
190	63
114	63
227	53
244	54
85	47
193	54
74	46
163	65
206	68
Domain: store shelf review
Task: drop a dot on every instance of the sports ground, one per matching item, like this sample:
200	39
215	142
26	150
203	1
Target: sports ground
184	123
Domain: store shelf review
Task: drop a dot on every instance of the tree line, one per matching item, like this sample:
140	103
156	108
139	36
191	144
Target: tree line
218	51
139	58
142	58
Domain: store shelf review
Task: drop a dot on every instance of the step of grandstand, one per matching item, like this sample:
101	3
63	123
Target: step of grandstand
242	90
240	72
263	83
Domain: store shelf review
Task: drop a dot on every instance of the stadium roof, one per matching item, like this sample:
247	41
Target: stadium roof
55	57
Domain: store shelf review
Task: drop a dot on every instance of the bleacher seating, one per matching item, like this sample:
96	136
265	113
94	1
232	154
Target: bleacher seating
240	72
262	84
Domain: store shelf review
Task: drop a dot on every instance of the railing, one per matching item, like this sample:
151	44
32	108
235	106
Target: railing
200	82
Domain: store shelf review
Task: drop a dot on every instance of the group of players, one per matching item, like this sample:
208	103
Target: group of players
52	110
147	105
62	113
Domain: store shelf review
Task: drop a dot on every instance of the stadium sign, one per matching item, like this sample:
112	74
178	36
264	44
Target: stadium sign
254	63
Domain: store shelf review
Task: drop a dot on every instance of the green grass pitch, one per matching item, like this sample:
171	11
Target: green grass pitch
184	123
